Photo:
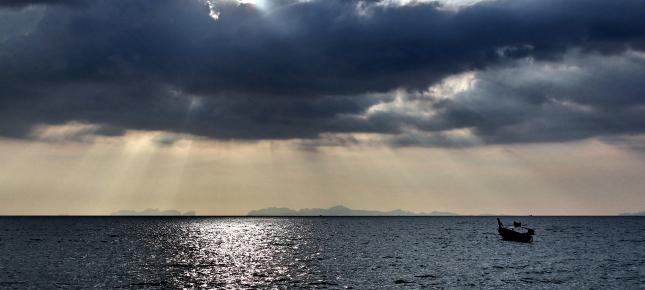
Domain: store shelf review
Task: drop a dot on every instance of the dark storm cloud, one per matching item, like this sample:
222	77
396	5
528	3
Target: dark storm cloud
295	70
26	3
576	98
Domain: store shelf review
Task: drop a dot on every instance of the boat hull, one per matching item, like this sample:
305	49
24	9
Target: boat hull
510	235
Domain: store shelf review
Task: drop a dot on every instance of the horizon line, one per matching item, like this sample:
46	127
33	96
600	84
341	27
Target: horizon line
315	216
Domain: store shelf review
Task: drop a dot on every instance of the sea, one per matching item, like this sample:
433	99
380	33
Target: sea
319	252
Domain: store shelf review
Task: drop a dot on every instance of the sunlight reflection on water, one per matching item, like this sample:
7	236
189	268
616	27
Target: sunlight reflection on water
248	253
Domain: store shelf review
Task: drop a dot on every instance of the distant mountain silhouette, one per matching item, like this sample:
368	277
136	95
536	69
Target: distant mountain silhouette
339	211
152	212
640	213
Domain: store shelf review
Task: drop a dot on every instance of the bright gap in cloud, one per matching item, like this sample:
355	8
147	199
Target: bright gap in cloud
270	5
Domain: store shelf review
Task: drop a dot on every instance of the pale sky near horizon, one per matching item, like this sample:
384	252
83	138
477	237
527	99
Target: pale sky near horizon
215	178
224	106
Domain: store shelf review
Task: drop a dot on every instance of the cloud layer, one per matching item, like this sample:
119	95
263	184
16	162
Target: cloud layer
539	70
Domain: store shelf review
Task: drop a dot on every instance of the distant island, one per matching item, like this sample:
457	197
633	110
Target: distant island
339	211
152	212
640	213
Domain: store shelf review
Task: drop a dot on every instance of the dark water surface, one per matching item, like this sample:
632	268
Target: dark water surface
362	253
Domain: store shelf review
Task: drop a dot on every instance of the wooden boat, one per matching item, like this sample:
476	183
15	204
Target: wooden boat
517	233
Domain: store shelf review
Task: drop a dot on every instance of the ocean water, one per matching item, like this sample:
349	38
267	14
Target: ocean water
326	252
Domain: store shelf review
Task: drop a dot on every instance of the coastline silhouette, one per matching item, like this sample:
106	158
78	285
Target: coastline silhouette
340	210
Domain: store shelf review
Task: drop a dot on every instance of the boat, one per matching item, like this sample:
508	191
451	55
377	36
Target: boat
516	233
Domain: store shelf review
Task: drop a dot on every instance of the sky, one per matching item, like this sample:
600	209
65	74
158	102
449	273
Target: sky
222	107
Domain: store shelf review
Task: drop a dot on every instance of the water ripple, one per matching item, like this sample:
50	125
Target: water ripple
363	253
